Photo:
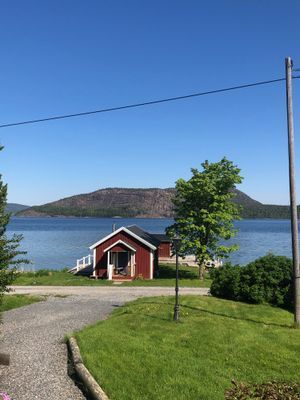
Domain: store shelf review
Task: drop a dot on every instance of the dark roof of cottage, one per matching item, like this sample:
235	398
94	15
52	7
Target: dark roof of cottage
161	237
150	238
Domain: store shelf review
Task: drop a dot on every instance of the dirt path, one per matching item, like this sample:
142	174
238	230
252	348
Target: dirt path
110	291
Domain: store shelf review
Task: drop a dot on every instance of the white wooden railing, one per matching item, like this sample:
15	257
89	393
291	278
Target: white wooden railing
82	263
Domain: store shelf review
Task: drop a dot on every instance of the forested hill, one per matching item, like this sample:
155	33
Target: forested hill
147	203
14	207
254	209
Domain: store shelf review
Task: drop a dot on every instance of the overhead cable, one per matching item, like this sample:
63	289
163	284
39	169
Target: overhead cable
143	104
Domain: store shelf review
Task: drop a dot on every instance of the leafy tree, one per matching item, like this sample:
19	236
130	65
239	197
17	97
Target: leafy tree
204	212
8	246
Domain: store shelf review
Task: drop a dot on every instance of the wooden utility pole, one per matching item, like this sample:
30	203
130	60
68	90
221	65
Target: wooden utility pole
293	200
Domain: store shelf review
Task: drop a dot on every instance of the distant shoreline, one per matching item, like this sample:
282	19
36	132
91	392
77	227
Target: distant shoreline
83	217
137	218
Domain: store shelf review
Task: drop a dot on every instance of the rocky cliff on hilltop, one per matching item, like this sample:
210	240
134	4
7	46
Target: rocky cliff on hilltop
141	203
148	203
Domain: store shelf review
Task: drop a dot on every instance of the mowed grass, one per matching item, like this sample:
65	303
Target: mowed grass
55	278
140	353
188	278
9	302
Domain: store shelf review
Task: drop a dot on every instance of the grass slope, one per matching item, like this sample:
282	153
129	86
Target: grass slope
17	300
140	353
188	278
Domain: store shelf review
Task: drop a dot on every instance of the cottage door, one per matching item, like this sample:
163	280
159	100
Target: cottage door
123	262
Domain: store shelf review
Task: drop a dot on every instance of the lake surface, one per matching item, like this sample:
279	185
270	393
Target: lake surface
56	243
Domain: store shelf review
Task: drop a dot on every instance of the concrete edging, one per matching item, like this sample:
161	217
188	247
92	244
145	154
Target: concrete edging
83	373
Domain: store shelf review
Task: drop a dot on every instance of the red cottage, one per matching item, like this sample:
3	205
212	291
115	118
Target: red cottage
129	253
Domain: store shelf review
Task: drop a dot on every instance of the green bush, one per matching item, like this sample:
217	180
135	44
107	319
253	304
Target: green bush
265	280
268	279
226	282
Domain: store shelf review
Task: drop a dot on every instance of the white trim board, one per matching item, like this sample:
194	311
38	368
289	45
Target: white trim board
129	233
151	264
117	242
94	262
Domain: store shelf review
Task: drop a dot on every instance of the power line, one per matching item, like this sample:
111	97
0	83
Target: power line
146	103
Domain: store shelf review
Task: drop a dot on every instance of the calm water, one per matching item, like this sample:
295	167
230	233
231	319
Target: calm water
58	242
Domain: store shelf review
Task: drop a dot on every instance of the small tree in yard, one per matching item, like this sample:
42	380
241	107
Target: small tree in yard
8	246
204	211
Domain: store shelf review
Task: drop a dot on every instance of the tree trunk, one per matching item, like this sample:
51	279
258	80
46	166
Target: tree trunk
201	271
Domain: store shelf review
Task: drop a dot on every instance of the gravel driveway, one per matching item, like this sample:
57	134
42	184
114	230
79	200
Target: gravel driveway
34	336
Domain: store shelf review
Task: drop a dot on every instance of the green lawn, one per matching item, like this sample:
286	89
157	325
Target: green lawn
140	353
55	278
188	278
17	300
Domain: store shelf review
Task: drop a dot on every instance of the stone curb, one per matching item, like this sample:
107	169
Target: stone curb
83	373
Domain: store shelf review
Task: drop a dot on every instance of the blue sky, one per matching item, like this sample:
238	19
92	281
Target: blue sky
63	56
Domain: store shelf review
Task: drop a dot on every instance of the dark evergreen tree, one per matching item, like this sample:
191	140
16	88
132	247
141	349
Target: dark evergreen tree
10	256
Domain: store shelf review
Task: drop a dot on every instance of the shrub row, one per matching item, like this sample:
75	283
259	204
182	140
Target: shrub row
264	391
265	280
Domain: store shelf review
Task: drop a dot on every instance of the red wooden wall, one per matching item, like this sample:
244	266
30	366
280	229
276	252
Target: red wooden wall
164	250
142	255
